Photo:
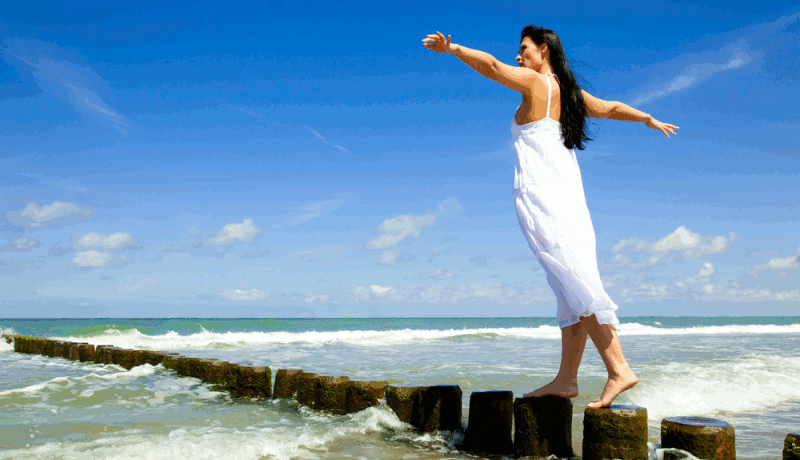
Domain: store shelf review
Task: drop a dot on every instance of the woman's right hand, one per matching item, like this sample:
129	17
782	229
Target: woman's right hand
665	128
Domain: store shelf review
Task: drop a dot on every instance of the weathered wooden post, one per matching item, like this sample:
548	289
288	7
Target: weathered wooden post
438	409
543	427
706	438
286	383
615	431
307	388
361	395
402	399
491	416
791	447
331	393
254	381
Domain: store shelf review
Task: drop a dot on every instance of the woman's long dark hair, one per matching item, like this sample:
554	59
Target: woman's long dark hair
573	107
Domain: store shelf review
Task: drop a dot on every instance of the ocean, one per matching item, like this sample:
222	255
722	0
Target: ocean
744	370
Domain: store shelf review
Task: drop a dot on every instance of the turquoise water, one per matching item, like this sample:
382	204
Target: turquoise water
743	370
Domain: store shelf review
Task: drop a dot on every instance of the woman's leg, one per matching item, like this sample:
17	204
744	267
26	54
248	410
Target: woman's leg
573	341
620	376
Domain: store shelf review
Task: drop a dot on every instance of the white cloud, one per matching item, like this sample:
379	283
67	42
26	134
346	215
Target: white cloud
435	274
372	292
316	298
91	259
244	294
395	230
22	244
99	240
707	270
235	233
638	253
779	264
35	217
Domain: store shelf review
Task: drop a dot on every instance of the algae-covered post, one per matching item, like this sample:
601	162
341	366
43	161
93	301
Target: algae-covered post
791	447
331	393
307	388
615	431
286	383
438	409
543	427
491	416
362	395
706	438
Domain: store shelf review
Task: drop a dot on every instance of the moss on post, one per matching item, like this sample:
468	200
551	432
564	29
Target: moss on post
331	393
286	383
307	388
615	431
361	395
705	438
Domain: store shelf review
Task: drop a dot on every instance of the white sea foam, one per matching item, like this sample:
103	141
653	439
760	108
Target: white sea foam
747	383
205	339
114	373
310	440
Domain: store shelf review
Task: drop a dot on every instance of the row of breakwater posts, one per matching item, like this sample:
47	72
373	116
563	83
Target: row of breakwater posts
498	423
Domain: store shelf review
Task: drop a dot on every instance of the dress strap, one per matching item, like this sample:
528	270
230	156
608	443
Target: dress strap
548	97
549	92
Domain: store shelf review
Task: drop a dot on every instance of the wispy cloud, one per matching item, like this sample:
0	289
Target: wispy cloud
35	217
772	45
313	210
697	68
64	79
324	141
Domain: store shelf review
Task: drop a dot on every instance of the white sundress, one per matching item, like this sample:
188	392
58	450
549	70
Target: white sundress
552	212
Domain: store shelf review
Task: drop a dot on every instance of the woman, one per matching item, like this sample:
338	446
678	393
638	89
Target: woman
550	203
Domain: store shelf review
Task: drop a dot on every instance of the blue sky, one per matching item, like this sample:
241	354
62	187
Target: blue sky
313	159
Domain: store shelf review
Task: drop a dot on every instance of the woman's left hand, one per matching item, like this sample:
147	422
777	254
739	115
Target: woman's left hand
665	128
438	43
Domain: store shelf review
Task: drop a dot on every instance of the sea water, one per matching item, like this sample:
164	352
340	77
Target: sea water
745	371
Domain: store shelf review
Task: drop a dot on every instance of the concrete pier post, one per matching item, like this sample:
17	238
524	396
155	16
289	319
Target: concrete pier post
403	400
438	409
491	415
615	431
364	394
543	427
791	447
307	388
705	438
286	383
331	393
254	381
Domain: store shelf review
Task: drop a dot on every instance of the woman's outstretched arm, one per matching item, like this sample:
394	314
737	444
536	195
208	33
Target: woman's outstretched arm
614	110
517	78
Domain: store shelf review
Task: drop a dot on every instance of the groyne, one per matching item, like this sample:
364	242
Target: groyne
498	423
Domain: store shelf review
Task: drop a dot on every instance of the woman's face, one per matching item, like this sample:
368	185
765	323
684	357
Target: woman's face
530	55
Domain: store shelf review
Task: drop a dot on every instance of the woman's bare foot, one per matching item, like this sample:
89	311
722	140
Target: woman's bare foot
614	386
555	388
